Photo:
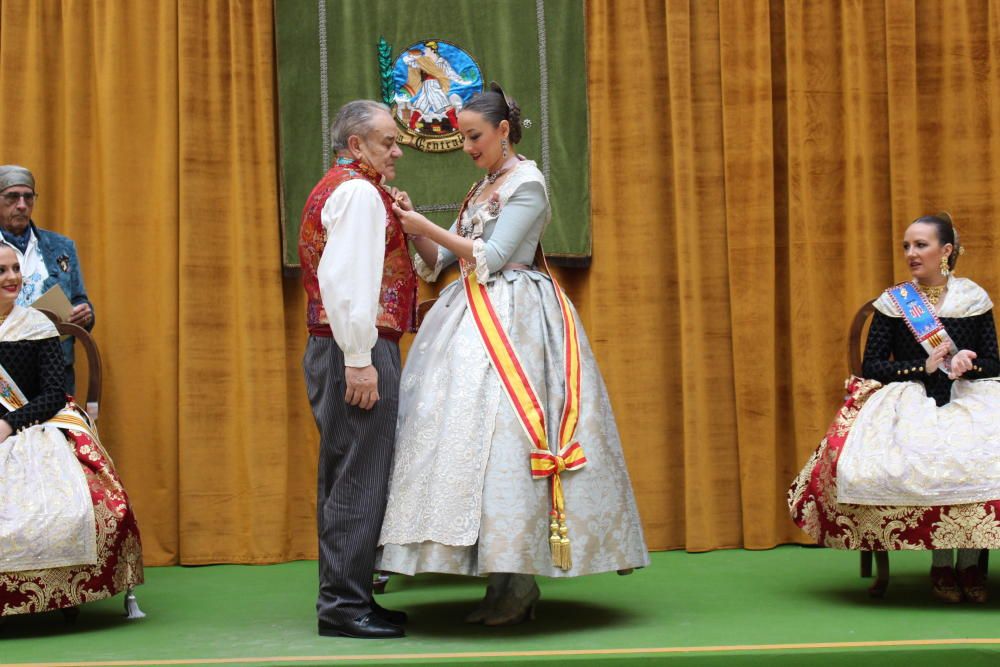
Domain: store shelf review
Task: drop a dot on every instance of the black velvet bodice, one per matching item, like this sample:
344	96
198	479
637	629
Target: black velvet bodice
892	354
38	368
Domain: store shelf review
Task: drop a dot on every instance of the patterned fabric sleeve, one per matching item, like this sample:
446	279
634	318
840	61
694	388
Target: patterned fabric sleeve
51	396
878	363
987	361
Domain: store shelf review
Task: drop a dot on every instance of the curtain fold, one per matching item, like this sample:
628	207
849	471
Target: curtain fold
753	167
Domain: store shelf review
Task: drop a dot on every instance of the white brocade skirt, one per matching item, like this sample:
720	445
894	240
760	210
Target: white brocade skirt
904	450
46	512
461	498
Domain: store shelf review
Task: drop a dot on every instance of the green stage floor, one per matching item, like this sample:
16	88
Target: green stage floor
788	606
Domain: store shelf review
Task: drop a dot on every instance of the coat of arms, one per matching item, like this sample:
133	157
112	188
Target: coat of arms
426	86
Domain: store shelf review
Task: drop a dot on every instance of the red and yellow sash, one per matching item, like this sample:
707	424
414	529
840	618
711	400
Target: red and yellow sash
524	399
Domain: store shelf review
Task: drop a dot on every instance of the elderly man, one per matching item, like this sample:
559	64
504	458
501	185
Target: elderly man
361	296
47	259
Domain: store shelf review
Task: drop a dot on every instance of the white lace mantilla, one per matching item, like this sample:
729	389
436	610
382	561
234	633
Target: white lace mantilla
963	298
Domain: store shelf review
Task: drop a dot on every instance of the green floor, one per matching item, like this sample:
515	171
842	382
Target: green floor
245	614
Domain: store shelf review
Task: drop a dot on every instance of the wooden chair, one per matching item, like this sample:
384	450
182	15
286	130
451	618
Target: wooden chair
91	402
855	356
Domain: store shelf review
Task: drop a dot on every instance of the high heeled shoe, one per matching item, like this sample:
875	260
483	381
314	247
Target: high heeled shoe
485	606
514	606
944	585
973	584
512	617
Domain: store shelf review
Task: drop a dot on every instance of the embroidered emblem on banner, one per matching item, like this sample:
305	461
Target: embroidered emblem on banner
426	87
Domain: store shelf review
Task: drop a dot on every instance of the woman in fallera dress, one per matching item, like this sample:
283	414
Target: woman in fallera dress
67	531
911	460
499	469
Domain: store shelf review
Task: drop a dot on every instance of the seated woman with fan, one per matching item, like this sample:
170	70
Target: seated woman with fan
67	531
911	460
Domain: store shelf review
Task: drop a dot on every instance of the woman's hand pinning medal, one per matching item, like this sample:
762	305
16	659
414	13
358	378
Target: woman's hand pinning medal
413	223
401	198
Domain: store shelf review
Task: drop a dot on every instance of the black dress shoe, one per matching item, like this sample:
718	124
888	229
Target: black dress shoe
369	626
391	615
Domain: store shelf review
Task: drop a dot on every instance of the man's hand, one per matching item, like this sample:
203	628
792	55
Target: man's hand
362	386
81	315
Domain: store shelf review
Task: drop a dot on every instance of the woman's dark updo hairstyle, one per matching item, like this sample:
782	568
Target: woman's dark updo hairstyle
946	233
495	106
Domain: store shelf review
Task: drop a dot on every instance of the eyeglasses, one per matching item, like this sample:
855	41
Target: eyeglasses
13	197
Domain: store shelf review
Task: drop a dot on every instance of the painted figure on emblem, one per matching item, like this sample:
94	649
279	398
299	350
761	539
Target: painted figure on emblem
508	462
426	96
910	461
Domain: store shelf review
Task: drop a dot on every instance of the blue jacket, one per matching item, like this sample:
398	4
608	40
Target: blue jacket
63	265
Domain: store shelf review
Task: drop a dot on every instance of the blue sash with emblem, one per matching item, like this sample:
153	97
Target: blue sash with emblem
921	320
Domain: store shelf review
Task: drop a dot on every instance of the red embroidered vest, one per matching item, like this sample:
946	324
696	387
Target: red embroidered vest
398	294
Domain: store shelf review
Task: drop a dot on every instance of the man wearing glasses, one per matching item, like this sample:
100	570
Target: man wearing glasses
46	258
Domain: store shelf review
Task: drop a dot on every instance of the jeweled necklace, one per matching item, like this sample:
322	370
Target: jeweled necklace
931	292
492	176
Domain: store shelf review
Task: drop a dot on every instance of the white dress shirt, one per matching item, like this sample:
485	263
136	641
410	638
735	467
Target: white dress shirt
33	272
350	270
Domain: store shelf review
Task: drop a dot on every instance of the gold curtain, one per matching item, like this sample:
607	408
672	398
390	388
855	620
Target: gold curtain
754	164
150	129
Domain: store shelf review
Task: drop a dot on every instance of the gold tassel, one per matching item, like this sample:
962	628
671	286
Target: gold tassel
565	556
555	542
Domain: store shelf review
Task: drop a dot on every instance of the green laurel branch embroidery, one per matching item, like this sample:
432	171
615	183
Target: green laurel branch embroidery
385	70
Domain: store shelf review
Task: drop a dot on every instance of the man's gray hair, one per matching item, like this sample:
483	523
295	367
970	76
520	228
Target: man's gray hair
354	118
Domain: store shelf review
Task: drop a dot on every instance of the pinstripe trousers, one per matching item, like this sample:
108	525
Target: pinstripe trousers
355	460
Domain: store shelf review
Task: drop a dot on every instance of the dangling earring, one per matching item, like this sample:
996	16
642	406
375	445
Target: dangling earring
503	145
944	265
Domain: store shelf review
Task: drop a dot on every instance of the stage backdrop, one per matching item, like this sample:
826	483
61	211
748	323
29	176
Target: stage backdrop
426	58
754	166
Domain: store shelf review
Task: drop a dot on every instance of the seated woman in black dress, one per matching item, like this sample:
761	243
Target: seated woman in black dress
67	531
911	461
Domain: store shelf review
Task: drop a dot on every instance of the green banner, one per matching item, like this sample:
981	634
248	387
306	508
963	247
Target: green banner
426	59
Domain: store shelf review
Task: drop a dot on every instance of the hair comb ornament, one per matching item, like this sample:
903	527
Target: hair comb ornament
497	88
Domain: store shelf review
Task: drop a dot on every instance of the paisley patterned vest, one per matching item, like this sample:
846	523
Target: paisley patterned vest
398	293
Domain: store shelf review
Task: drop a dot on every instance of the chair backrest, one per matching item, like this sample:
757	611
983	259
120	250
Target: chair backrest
855	350
422	309
91	401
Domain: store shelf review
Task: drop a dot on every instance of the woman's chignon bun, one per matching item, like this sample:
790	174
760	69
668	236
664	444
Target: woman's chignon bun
495	106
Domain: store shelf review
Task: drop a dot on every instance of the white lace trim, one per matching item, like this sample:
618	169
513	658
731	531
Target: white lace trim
426	273
482	268
25	323
964	298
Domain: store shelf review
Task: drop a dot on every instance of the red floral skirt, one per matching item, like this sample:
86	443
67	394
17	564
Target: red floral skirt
812	500
119	551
